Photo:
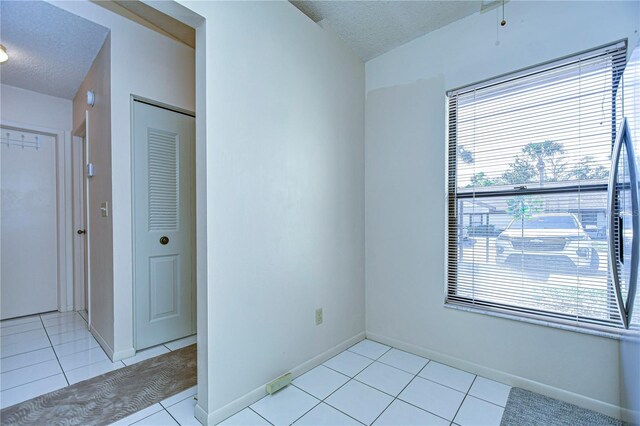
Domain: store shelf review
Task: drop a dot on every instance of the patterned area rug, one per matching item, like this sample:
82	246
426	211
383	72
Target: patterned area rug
532	409
105	399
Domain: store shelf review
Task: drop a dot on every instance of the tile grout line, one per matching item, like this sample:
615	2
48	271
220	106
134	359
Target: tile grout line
82	326
26	352
79	352
420	408
14	336
414	376
394	398
337	389
178	402
91	364
344	384
463	399
251	409
397	397
323	401
306	412
54	352
170	415
30	365
32	381
484	400
398	368
65	318
74	340
5	334
145	417
346	375
24	317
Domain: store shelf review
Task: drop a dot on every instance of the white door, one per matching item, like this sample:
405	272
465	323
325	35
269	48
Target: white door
29	242
164	226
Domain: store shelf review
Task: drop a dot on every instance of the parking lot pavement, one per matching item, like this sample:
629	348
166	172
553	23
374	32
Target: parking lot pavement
549	281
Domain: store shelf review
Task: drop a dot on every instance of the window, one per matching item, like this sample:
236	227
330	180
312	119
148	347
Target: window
529	161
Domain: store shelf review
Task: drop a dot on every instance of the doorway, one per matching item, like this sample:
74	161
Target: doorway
164	223
30	221
81	236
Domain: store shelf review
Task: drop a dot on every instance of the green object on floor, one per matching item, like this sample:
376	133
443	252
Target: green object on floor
278	384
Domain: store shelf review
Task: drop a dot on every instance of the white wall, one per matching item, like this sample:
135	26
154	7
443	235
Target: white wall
147	64
405	197
32	108
285	231
100	229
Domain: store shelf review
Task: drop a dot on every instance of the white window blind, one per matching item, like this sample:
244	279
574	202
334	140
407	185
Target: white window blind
529	161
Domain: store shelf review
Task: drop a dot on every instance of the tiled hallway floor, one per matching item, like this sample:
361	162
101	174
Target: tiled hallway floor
43	353
372	383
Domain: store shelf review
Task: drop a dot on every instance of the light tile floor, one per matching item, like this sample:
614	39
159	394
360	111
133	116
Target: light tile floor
371	383
46	352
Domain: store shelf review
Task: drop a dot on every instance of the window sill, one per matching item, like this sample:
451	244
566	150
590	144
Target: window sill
615	335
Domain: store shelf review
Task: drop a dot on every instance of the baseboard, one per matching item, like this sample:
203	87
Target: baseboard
102	342
113	356
200	414
244	401
120	355
500	376
628	416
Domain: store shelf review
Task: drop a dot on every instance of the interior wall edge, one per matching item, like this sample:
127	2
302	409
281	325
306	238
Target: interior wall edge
501	376
249	398
102	342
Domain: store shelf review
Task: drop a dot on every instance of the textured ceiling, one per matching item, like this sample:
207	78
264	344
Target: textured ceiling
371	28
50	50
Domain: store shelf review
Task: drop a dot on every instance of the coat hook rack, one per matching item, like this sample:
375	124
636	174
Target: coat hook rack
22	142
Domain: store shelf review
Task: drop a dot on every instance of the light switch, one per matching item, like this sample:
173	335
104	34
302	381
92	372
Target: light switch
104	209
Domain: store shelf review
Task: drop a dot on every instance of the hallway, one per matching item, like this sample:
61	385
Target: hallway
46	352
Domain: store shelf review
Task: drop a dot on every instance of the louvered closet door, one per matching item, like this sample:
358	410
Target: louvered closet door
164	224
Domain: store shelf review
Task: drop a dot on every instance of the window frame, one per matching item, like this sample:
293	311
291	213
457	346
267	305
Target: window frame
453	195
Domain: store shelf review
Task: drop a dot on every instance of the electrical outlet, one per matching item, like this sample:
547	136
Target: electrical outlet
318	316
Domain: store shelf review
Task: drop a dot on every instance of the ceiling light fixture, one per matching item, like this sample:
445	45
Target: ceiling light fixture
3	54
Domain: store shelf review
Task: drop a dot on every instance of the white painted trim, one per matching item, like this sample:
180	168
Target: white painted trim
244	401
501	376
67	236
203	295
78	206
114	356
193	236
627	415
201	414
124	354
63	208
87	225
